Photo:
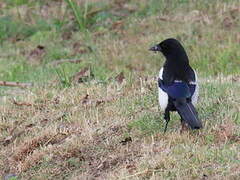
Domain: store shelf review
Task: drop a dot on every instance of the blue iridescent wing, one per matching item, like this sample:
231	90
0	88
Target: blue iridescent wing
178	89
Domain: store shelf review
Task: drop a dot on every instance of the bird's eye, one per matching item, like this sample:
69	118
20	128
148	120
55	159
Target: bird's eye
163	46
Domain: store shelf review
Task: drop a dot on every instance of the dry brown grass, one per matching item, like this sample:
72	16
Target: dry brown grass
86	142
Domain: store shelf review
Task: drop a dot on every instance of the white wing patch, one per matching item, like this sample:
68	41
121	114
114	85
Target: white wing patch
196	92
162	96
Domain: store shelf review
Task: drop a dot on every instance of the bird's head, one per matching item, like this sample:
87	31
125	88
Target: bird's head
171	49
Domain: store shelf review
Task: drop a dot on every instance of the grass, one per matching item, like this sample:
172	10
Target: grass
107	123
80	16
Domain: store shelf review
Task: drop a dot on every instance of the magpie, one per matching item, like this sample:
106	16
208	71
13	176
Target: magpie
177	84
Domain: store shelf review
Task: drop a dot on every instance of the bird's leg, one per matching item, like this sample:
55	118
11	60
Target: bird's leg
167	119
184	126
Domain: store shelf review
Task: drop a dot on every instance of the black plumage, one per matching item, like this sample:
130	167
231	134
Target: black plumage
178	88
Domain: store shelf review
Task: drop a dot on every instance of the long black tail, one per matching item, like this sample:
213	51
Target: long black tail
188	113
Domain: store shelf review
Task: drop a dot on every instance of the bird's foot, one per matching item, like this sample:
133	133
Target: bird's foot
184	127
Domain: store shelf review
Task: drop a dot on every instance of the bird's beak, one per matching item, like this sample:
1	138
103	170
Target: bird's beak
155	48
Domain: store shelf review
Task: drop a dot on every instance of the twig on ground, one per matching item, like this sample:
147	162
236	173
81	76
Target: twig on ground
21	103
137	174
15	84
57	62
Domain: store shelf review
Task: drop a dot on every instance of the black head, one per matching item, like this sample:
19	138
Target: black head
171	49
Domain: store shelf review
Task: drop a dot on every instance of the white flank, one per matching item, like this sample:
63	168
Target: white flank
195	94
162	96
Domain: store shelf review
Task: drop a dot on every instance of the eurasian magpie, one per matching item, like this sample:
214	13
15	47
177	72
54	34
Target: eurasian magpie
177	82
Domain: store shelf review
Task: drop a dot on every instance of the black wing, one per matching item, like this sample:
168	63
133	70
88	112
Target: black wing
169	75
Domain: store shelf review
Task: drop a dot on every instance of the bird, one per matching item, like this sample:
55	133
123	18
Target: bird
178	88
